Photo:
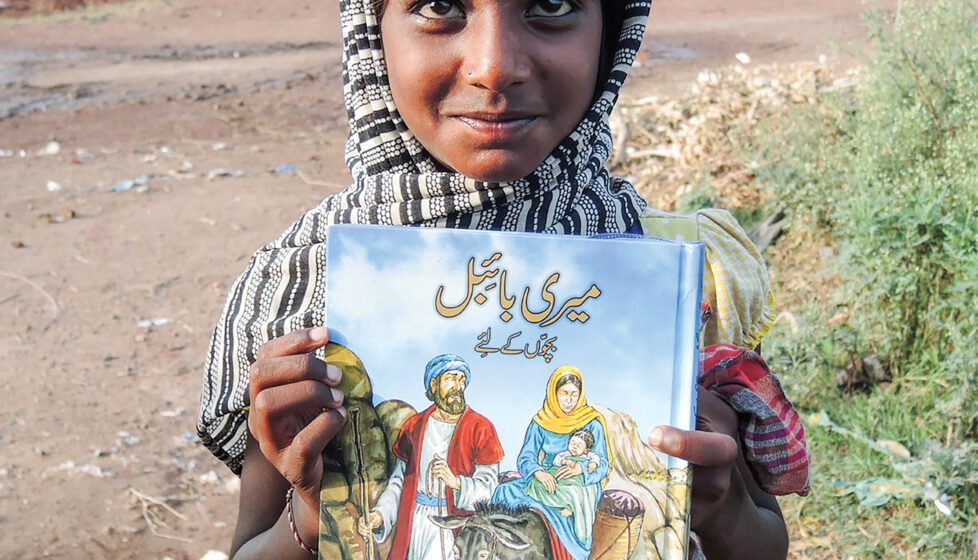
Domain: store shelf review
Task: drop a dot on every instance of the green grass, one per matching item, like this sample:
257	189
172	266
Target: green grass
889	172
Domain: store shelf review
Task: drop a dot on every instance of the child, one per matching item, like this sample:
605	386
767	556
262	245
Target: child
482	114
572	496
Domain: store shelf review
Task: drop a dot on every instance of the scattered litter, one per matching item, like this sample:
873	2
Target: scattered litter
210	477
214	555
224	172
128	439
123	186
22	153
878	491
164	149
157	322
172	413
231	486
63	216
87	468
52	149
188	436
6	153
742	58
285	168
942	507
17	244
219	146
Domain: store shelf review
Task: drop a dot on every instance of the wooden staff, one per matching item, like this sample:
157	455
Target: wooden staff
364	481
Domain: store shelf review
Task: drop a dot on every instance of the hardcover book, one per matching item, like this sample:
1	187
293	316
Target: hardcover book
499	389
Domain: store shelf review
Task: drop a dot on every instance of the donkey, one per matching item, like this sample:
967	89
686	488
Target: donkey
498	532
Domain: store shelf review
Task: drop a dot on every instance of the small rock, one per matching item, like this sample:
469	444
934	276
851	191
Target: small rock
219	146
53	186
875	368
17	244
742	58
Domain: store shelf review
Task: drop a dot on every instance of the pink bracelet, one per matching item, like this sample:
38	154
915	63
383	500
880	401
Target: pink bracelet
295	532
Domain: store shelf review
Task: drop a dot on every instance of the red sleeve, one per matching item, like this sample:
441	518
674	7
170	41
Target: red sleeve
403	447
488	450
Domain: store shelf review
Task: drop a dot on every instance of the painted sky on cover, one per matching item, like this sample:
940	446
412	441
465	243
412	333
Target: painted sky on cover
381	292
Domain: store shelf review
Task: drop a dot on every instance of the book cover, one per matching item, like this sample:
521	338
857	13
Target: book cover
499	389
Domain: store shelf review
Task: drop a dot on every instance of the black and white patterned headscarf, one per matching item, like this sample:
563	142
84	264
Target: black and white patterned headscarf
396	182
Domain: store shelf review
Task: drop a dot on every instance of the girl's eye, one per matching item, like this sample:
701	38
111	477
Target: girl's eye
550	8
439	9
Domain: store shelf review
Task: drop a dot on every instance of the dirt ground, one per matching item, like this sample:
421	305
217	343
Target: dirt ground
217	122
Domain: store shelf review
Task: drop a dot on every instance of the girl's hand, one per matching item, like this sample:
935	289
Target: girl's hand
295	408
729	511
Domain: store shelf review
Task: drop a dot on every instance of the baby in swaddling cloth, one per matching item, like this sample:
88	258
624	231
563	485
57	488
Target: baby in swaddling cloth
572	496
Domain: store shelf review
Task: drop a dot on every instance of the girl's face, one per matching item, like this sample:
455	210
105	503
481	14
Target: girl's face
490	87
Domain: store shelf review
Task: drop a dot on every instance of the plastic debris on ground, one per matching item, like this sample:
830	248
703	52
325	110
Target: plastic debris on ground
285	168
157	322
87	469
128	184
224	172
53	186
52	149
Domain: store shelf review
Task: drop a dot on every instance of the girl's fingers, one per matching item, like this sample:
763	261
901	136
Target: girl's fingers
279	414
284	370
301	341
307	446
706	449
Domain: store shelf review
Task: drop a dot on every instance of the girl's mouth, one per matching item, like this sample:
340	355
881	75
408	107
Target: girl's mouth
497	127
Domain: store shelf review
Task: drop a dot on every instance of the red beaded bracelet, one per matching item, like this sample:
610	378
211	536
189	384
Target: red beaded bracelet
295	532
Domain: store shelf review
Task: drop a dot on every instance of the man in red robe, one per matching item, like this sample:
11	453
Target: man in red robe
447	460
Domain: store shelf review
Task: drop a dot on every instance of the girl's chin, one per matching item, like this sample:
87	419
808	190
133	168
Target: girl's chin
496	166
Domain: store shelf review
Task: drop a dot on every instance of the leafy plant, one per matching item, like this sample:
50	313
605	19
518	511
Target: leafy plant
890	171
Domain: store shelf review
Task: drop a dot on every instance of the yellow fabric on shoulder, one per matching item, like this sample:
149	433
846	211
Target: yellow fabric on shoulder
735	278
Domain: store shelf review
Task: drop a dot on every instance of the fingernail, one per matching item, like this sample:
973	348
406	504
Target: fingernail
318	334
337	395
333	373
655	437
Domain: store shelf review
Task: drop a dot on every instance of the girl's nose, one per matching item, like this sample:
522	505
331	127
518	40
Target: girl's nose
496	53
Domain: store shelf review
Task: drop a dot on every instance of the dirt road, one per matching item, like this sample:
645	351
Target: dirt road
216	122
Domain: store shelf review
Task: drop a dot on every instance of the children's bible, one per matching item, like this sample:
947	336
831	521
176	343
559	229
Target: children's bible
499	390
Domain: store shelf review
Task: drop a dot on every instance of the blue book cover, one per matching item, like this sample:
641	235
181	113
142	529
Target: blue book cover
499	390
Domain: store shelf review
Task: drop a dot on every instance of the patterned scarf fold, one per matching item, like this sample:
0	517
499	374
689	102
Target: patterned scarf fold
397	182
770	429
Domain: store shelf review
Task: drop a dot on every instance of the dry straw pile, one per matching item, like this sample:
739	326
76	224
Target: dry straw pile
671	147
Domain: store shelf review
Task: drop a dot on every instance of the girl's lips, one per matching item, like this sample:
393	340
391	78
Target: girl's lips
497	128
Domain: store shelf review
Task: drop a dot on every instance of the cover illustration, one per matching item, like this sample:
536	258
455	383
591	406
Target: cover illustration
499	389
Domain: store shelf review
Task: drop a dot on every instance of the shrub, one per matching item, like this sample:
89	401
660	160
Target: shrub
890	170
